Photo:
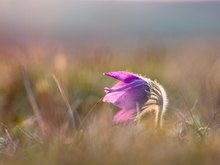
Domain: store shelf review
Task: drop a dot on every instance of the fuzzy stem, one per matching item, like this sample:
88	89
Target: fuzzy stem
158	118
160	111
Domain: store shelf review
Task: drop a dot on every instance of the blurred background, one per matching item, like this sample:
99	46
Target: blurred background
53	54
175	42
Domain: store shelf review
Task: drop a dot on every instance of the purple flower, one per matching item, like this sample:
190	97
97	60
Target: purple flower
131	93
135	96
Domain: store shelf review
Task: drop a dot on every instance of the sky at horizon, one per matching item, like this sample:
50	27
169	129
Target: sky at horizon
161	0
69	19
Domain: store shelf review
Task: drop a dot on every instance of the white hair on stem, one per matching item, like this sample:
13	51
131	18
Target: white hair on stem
162	107
157	101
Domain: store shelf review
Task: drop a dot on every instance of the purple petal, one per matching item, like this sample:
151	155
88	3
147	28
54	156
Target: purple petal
123	76
128	95
130	92
124	116
115	87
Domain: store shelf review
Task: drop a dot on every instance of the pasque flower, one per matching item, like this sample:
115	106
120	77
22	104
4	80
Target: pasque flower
135	95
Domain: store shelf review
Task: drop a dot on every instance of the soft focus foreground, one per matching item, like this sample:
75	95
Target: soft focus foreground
64	85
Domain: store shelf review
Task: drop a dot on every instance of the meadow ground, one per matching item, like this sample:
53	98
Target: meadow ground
51	111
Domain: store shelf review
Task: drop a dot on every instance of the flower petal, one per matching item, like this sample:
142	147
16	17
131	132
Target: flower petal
123	76
130	92
129	95
115	87
124	115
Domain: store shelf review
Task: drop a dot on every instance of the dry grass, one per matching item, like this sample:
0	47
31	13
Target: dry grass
60	120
